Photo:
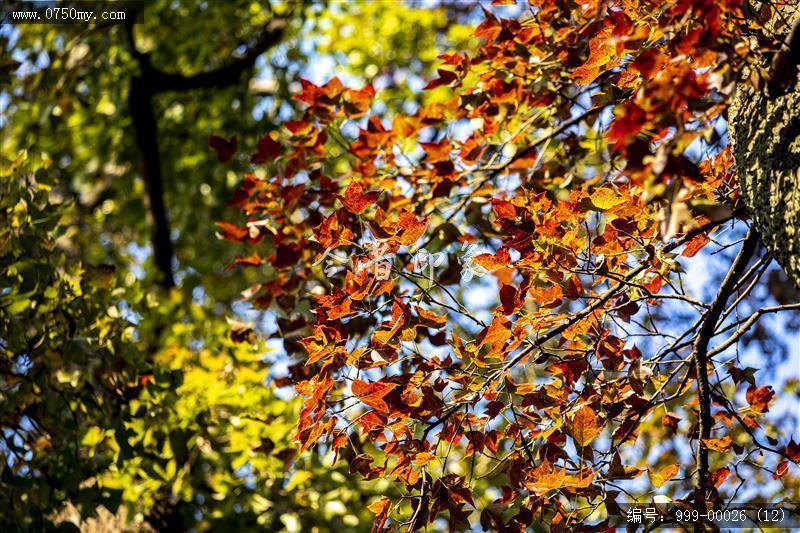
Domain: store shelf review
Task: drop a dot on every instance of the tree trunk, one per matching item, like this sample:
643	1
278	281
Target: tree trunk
765	139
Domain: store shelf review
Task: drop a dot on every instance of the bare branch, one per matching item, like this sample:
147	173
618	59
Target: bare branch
700	355
747	324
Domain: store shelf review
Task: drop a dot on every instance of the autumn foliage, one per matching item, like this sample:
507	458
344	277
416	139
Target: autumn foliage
579	148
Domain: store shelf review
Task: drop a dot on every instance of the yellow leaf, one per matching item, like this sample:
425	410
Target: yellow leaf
668	473
379	506
297	479
605	198
423	458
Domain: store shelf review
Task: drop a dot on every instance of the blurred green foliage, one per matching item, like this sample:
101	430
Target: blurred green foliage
170	415
68	360
115	393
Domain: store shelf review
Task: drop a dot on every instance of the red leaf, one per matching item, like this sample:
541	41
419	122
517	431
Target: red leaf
225	149
759	398
503	209
654	285
649	62
445	78
793	451
508	297
268	149
571	370
574	289
781	469
630	120
719	477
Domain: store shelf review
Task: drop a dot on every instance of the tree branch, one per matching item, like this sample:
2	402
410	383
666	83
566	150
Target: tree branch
224	76
700	355
151	82
783	71
611	293
749	322
140	104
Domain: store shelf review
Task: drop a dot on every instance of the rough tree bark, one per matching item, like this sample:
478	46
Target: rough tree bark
765	139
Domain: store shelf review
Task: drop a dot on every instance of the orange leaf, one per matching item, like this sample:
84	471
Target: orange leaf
372	394
411	228
423	458
250	260
355	200
617	470
358	102
585	426
431	319
232	232
603	56
493	261
547	296
496	334
720	445
436	152
695	245
381	509
545	479
331	234
670	421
